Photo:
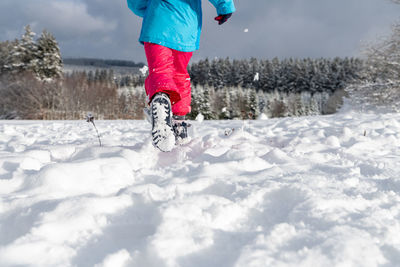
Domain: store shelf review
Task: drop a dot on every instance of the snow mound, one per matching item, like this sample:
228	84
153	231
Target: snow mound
320	191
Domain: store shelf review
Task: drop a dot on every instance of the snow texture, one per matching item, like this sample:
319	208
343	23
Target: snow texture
311	191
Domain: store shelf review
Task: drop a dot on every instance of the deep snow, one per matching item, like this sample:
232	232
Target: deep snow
311	191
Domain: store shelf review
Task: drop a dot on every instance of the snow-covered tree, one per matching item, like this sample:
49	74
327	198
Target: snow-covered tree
200	72
219	75
205	107
5	48
202	98
226	109
24	53
252	103
380	88
262	104
49	63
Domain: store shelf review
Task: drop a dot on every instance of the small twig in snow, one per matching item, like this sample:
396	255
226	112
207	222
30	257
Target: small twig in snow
90	118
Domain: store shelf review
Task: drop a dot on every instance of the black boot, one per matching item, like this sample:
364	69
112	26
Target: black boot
161	118
180	129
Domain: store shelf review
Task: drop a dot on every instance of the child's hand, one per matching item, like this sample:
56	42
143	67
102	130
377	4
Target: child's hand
223	18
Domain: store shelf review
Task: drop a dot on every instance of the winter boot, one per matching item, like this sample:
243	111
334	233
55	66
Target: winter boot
180	129
161	120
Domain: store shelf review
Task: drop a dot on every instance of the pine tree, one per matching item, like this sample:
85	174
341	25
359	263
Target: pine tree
201	102
197	96
262	104
200	73
254	74
226	105
205	106
216	74
252	103
24	53
50	62
235	96
227	67
241	73
267	79
5	48
276	74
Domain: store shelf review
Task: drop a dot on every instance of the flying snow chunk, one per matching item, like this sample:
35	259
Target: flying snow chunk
200	117
262	117
256	77
144	70
246	30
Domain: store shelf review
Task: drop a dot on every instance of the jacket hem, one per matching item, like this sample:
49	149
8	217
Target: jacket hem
183	48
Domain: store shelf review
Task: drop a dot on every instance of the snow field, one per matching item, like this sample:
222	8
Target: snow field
320	191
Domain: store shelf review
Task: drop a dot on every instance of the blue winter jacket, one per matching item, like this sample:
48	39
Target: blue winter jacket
174	23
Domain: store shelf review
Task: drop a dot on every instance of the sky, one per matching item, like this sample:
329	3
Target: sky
260	28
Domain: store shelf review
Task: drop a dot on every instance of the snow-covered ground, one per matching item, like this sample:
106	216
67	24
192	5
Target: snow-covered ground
312	191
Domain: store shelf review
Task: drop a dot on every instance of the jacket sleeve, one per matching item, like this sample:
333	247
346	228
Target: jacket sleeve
224	6
138	6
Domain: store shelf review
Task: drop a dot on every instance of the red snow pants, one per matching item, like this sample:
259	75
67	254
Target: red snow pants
168	73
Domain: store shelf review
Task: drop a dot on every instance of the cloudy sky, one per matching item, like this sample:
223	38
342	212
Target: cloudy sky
275	28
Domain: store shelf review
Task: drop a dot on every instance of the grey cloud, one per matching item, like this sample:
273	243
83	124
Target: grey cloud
70	18
66	18
282	28
300	28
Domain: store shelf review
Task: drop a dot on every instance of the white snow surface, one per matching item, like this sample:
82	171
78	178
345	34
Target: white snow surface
311	191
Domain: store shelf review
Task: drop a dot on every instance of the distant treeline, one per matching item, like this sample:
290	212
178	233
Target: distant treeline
230	89
101	63
320	75
287	75
31	75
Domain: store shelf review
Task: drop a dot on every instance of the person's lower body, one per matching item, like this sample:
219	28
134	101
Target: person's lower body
168	74
169	82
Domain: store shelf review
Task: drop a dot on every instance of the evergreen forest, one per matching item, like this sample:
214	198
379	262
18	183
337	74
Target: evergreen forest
32	76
